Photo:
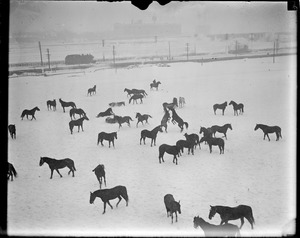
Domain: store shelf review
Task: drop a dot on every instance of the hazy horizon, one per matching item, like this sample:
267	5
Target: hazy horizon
219	17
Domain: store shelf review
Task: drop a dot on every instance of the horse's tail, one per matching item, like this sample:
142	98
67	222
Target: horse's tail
243	109
71	113
252	218
130	99
186	124
14	170
149	116
125	194
130	118
73	165
98	139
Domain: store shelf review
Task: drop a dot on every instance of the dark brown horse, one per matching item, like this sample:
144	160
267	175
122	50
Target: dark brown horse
108	112
91	91
178	119
210	230
11	171
269	130
237	107
170	149
233	213
67	104
110	137
110	194
171	206
55	164
100	173
214	141
78	123
150	134
12	131
220	106
31	112
221	129
121	120
51	104
142	118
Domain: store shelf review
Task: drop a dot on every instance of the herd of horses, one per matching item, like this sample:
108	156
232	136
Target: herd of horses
191	142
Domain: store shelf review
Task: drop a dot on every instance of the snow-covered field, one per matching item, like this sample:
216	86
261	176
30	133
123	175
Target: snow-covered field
252	171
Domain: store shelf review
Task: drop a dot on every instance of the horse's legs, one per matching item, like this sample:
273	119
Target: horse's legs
225	136
109	204
210	147
113	143
268	136
104	207
176	215
58	172
242	222
51	174
109	144
120	198
104	181
250	221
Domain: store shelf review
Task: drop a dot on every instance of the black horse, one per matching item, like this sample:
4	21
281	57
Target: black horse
220	106
172	105
221	129
122	120
155	85
164	121
186	144
142	118
135	91
135	97
237	108
233	213
207	132
116	104
31	112
91	91
51	104
171	206
55	164
178	119
150	134
193	137
78	111
78	123
12	131
181	101
100	173
110	194
108	112
214	141
269	130
170	149
67	104
110	137
111	120
210	230
11	171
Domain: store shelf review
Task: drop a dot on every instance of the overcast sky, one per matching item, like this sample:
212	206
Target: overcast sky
221	17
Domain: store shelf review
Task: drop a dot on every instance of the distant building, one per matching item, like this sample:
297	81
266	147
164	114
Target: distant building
140	29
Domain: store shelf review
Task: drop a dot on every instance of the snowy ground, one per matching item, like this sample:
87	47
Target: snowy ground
252	171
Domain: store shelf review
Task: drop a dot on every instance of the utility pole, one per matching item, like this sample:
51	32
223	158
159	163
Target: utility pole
114	54
41	53
187	51
48	54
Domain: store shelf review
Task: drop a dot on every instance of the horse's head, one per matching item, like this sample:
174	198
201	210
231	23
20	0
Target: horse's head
229	126
197	221
37	108
115	135
212	212
41	161
201	130
226	103
92	197
160	128
86	118
204	138
231	102
256	127
137	115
